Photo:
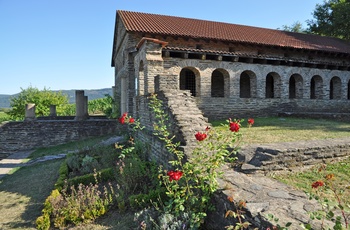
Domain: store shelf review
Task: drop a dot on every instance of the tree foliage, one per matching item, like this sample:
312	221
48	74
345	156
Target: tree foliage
42	100
102	106
295	27
332	18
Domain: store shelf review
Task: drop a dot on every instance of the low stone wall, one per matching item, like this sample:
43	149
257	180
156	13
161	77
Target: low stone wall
317	115
19	136
223	108
292	155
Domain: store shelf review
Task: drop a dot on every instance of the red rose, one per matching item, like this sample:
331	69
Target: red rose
200	136
234	126
174	175
250	121
317	184
131	120
122	120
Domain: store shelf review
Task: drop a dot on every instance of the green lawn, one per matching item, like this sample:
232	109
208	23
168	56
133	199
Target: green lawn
277	129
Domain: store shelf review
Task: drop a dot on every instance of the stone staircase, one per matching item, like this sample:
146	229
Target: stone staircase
188	118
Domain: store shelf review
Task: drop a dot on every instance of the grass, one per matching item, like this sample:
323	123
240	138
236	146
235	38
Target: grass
64	148
276	129
23	193
340	181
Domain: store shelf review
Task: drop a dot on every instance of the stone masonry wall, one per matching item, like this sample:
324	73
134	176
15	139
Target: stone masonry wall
19	136
265	158
184	118
257	105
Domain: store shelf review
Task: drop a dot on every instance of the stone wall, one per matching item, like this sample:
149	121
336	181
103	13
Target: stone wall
19	136
265	158
258	104
184	120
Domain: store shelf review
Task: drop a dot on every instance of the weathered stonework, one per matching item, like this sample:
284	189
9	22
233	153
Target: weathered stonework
19	136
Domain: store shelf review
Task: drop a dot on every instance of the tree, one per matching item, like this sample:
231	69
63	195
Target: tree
332	18
42	100
295	27
102	106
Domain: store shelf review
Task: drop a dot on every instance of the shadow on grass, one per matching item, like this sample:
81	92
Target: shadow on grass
24	192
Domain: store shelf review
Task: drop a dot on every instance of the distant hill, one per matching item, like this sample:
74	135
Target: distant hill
91	93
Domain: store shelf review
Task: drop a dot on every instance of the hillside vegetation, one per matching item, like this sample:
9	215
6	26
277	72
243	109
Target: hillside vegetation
91	93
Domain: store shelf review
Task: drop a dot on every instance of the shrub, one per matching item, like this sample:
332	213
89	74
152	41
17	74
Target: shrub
104	175
63	175
141	201
78	204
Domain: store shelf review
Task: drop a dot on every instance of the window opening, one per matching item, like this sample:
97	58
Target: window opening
217	84
188	81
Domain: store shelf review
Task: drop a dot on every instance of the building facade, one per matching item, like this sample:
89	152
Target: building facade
231	70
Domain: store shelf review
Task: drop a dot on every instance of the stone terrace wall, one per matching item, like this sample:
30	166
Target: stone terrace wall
19	136
292	155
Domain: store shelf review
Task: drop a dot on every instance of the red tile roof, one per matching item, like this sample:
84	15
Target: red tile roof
202	29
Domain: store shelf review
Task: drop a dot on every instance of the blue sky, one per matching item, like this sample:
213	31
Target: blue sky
67	44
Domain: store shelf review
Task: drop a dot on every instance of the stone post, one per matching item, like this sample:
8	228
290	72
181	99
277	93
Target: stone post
53	112
30	112
86	107
80	105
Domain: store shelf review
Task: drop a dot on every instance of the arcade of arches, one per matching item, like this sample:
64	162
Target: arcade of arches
225	88
273	85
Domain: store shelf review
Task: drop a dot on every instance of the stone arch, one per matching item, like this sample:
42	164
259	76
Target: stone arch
335	88
316	87
295	87
247	84
220	83
273	85
189	80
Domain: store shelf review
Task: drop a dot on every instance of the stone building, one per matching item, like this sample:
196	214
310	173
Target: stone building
231	70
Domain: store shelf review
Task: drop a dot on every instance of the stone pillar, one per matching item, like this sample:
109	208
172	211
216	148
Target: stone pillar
80	105
86	106
53	112
123	96
30	112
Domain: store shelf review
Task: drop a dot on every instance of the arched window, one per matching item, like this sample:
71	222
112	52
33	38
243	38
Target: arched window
270	87
188	81
316	87
273	85
295	86
140	81
247	85
335	88
217	84
244	85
